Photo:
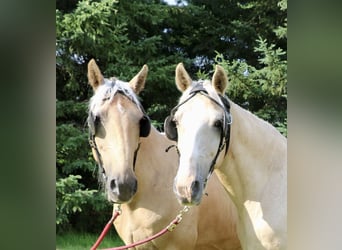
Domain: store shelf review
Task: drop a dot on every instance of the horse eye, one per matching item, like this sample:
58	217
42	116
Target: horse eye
97	120
218	124
175	122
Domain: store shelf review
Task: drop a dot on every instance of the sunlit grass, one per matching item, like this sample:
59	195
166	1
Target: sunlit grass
81	241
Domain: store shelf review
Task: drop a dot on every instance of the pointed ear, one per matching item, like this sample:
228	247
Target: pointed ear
95	77
183	80
138	82
220	80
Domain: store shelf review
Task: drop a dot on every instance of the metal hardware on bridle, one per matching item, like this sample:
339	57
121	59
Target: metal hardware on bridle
170	127
178	219
117	211
145	128
117	208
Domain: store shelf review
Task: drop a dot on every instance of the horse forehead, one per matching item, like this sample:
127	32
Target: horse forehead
121	107
199	107
121	120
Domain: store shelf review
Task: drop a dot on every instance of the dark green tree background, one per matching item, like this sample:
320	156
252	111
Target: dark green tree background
248	38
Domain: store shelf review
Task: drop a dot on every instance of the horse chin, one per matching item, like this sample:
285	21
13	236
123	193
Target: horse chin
118	199
189	202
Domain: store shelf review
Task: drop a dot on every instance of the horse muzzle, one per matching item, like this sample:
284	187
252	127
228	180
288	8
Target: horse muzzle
121	191
190	194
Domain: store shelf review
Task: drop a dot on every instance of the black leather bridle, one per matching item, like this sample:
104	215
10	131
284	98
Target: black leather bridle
170	127
145	127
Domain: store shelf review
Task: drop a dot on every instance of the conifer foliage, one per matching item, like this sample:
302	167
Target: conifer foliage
247	38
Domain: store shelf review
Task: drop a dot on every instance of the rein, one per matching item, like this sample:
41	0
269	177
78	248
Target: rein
117	212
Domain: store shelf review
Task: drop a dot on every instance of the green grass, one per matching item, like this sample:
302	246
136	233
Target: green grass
82	241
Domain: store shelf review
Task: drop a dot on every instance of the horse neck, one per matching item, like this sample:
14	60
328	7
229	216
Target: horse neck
256	152
155	170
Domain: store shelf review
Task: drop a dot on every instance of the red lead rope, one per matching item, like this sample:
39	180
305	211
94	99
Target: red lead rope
169	228
105	230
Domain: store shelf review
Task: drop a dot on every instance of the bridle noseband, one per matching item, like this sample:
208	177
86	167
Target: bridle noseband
171	129
145	127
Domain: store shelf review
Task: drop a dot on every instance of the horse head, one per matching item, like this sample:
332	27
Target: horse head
116	122
200	124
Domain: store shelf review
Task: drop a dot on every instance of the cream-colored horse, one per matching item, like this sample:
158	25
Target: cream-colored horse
138	172
253	170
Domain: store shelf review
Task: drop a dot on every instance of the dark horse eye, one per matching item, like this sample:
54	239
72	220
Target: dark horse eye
93	123
97	123
97	120
218	124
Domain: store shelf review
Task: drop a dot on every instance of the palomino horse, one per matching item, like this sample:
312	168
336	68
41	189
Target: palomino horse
137	172
248	155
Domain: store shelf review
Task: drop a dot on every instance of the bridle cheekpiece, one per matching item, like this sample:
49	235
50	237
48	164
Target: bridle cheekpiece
170	127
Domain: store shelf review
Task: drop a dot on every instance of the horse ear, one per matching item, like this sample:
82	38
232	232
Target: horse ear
183	80
220	80
138	81
95	77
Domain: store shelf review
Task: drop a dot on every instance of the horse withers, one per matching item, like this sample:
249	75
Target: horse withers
137	172
248	155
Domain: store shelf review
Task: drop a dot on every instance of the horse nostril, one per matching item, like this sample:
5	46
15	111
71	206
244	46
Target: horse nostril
135	186
112	184
195	187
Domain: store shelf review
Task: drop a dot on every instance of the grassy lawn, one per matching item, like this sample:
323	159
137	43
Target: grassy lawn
82	241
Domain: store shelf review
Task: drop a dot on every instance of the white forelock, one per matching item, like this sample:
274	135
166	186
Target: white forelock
107	91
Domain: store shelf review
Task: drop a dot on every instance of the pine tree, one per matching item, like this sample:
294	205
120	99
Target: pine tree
247	38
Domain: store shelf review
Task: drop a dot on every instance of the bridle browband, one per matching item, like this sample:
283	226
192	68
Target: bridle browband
226	124
92	132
